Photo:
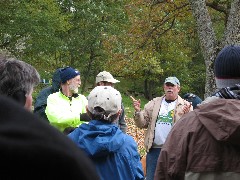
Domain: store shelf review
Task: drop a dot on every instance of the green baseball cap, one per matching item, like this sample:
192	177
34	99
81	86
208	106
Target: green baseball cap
172	80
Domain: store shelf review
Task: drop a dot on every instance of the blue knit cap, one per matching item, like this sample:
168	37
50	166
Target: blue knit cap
68	73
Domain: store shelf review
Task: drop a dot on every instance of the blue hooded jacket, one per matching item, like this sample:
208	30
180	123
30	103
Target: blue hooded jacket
113	152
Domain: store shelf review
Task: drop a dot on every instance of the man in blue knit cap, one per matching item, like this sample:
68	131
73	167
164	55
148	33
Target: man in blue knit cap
65	106
205	144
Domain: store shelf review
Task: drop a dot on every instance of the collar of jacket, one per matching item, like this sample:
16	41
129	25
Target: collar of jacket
74	95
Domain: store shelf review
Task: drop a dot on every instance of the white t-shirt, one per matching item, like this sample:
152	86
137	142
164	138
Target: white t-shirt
164	122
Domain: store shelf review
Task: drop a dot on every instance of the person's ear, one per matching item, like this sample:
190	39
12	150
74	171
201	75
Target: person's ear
178	88
28	103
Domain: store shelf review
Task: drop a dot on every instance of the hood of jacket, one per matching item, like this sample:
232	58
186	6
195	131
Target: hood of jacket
56	80
98	138
221	119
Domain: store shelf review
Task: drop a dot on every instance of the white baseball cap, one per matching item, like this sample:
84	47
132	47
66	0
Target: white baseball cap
105	97
105	76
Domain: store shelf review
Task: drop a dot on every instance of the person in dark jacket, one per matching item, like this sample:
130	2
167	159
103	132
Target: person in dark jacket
192	98
30	147
113	152
41	100
205	144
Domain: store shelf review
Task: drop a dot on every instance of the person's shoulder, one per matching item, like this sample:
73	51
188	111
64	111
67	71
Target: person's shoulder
128	139
56	94
129	144
182	101
81	96
151	103
210	99
156	99
45	91
216	102
187	122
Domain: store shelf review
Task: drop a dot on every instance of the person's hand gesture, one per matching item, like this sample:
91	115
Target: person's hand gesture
186	107
136	104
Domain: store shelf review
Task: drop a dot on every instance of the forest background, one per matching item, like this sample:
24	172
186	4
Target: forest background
140	42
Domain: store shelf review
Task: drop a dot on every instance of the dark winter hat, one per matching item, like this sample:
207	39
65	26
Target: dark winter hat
227	66
68	73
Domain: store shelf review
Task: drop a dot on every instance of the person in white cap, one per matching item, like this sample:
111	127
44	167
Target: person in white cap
104	78
158	117
113	152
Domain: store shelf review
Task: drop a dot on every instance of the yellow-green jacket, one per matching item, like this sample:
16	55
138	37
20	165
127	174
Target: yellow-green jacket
63	112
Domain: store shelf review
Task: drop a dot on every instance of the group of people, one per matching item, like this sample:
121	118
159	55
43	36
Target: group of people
29	142
85	137
203	143
30	147
63	107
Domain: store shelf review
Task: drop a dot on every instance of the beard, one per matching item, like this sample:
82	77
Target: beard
73	89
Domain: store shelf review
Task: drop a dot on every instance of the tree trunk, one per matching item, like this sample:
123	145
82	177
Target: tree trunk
87	71
232	33
208	41
146	93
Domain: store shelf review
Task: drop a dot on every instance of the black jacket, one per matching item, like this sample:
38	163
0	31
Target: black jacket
32	149
41	100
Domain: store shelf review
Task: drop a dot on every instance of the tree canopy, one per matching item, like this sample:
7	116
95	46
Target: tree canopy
141	42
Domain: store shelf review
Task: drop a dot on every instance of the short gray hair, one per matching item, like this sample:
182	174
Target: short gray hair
16	75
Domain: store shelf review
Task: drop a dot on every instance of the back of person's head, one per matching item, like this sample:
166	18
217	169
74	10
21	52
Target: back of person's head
35	150
17	78
68	73
227	66
56	80
194	99
105	76
104	103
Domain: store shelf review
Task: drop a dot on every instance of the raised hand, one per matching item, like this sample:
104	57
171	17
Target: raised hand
136	103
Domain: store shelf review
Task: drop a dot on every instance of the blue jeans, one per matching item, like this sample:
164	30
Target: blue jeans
152	157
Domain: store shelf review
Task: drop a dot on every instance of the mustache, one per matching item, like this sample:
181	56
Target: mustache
169	90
